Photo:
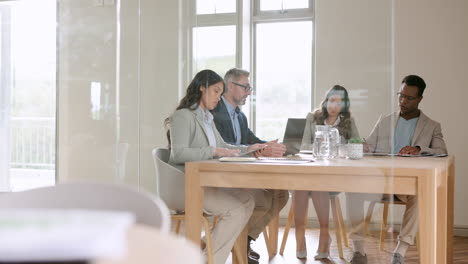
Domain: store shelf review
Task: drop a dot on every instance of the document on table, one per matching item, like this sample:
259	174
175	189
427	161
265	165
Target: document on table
62	235
238	159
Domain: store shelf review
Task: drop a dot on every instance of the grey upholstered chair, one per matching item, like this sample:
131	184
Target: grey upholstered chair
147	208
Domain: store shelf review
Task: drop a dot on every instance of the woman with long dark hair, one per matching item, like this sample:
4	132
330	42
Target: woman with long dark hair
333	111
193	136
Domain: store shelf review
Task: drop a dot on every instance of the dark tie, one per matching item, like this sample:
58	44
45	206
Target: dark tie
241	128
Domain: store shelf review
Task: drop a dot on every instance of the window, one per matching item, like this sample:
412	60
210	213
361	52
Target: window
214	48
283	70
270	38
216	6
268	5
5	69
28	40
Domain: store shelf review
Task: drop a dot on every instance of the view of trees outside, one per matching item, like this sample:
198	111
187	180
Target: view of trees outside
214	48
33	91
283	83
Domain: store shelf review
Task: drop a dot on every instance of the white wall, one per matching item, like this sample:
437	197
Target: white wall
431	40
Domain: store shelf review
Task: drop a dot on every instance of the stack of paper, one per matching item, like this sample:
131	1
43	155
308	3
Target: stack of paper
62	235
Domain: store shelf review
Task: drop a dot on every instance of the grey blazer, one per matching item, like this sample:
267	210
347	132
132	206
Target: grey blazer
427	135
309	131
189	141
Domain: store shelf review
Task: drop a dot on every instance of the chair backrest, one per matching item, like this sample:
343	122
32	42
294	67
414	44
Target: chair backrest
170	181
147	208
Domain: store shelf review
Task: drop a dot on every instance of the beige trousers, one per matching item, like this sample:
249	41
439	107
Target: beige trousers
234	208
268	204
409	225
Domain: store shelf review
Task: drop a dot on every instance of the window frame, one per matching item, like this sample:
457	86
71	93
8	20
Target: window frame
289	15
284	14
5	92
246	18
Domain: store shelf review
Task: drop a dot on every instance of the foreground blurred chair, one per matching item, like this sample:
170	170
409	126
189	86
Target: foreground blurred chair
340	229
171	189
147	208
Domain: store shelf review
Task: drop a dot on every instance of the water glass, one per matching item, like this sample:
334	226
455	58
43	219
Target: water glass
342	150
321	145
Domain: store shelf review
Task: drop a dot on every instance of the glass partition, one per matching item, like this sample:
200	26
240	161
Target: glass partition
99	78
87	86
295	52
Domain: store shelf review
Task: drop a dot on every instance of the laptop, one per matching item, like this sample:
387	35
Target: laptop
293	135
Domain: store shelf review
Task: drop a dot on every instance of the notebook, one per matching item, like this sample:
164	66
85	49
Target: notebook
293	135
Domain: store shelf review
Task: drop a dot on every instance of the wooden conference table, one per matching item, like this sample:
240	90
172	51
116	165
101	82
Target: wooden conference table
430	178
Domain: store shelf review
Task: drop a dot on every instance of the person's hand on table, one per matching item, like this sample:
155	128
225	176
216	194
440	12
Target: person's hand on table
224	152
273	149
256	146
409	150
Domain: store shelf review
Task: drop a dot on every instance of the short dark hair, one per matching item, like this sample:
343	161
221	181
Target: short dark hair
414	80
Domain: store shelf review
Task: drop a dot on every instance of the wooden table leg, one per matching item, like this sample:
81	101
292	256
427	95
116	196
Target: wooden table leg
273	229
427	218
194	194
450	210
444	214
241	248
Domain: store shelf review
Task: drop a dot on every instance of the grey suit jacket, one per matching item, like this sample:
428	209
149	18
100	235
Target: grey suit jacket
427	135
189	141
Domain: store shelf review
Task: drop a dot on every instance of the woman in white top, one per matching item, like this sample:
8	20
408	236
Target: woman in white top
193	136
333	111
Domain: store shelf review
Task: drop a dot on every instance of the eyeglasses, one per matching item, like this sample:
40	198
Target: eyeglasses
247	87
409	98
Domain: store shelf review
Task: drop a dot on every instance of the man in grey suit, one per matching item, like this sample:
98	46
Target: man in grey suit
232	125
407	132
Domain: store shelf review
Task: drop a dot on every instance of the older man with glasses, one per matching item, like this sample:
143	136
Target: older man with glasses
406	132
232	125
